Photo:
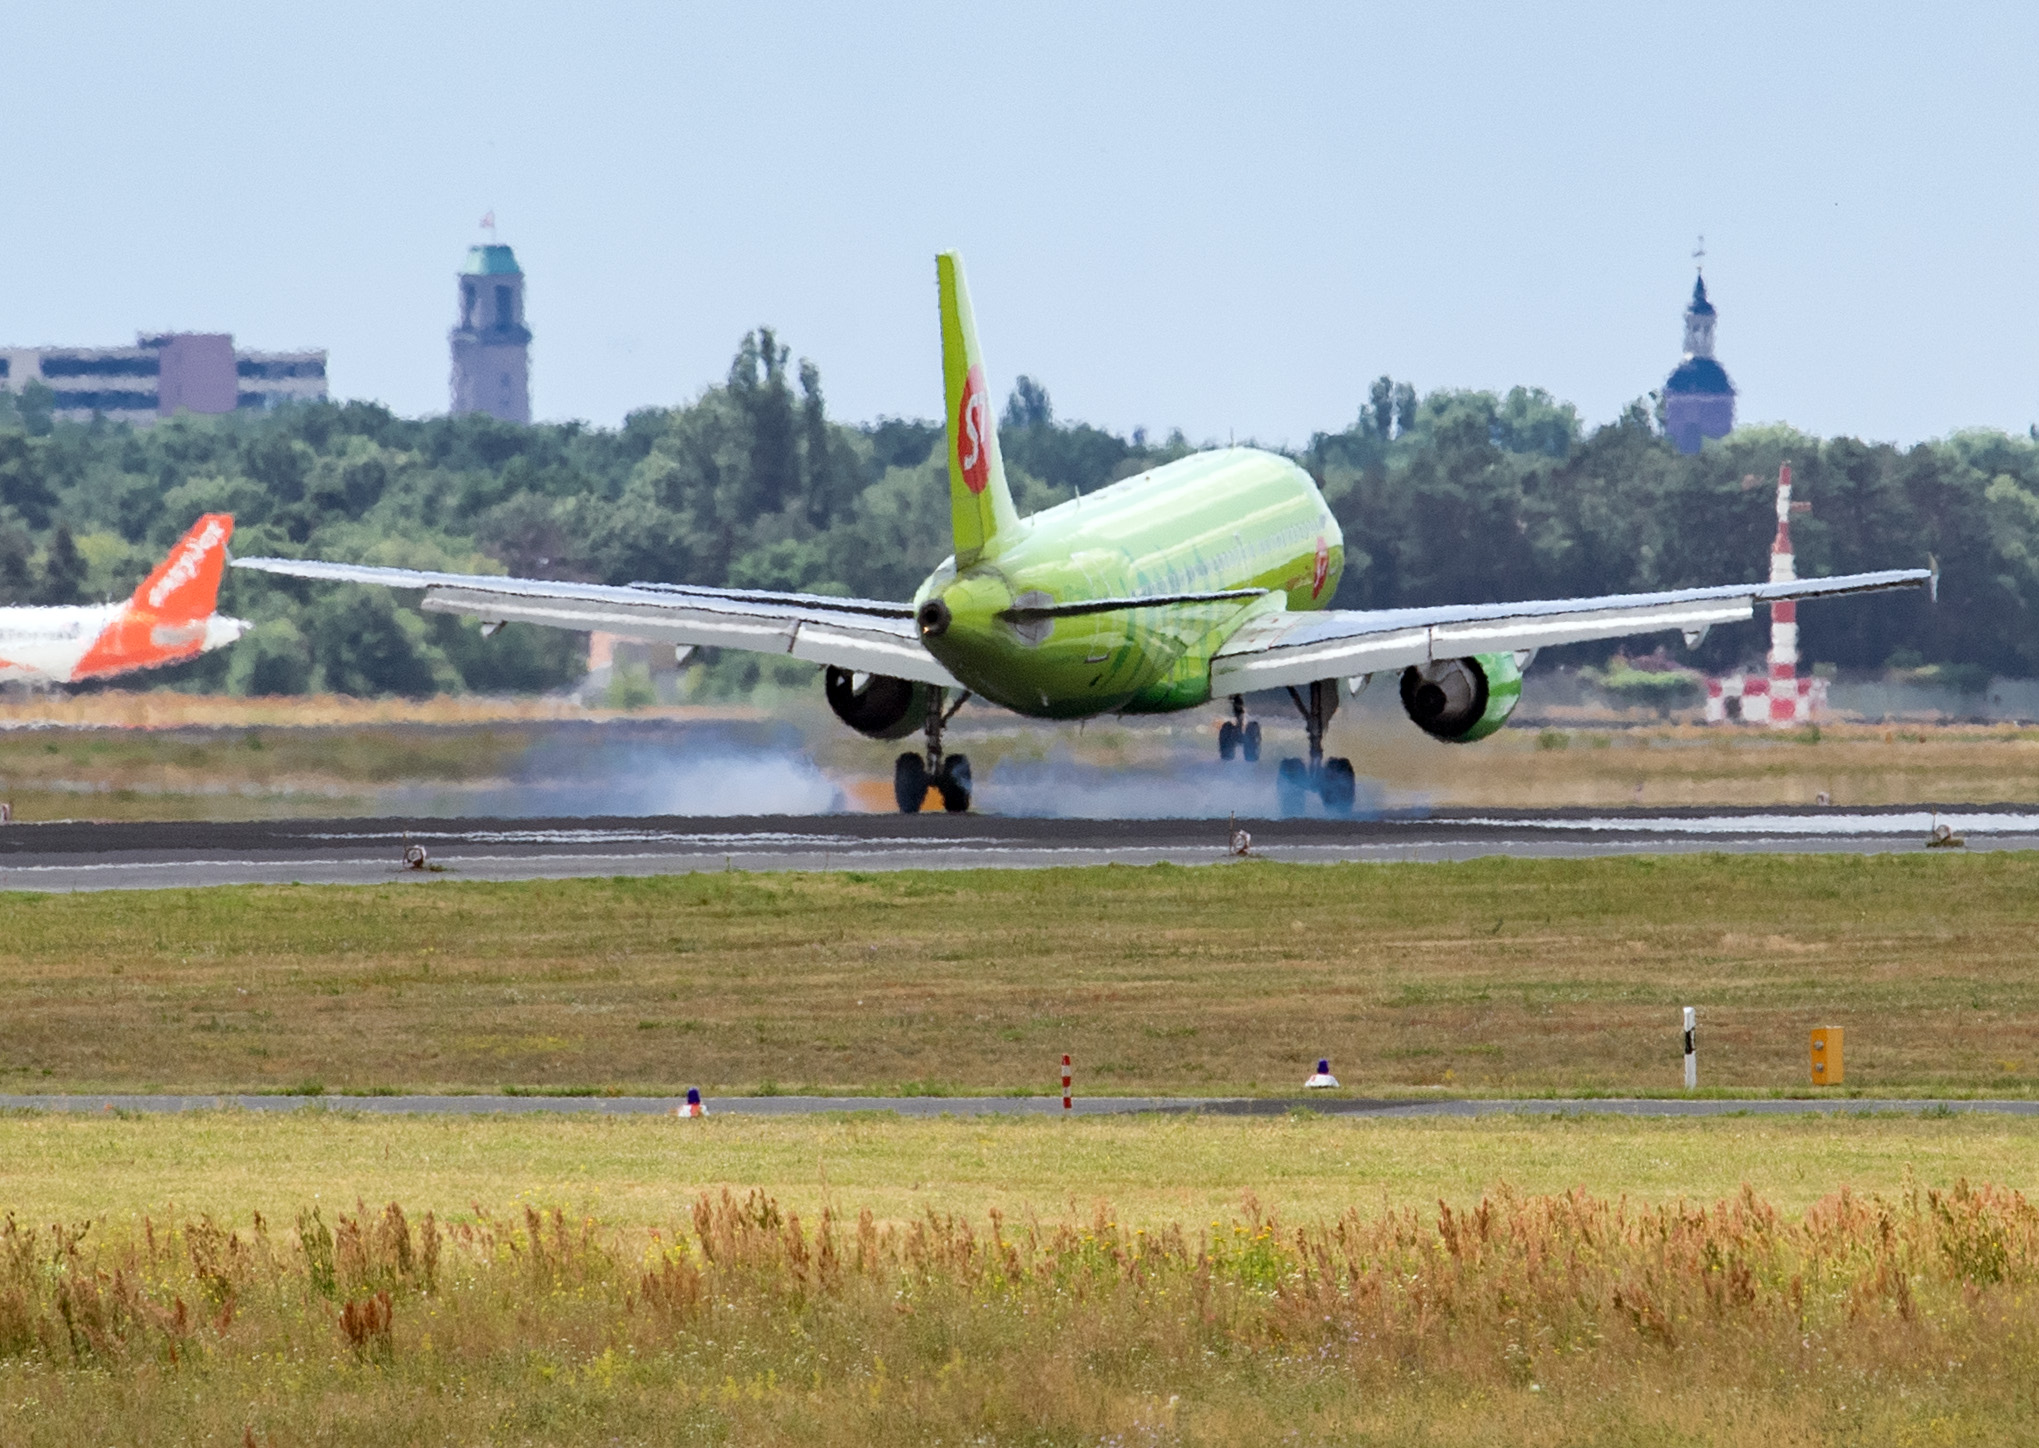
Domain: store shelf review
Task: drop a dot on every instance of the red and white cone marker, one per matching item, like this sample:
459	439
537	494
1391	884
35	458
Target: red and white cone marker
1067	1104
1321	1079
693	1106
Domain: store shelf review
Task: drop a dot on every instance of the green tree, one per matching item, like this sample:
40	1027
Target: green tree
63	570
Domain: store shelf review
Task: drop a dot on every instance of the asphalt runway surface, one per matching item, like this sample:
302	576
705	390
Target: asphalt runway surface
932	1106
67	856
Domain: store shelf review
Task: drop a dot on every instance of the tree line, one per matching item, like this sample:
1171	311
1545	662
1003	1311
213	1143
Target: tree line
1451	496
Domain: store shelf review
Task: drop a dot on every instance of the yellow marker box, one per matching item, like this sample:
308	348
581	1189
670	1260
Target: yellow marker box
1827	1065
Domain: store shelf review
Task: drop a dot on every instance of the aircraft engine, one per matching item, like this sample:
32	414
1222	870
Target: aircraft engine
1460	700
876	704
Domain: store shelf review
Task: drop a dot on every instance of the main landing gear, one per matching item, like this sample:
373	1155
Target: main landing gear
1331	780
1239	735
949	774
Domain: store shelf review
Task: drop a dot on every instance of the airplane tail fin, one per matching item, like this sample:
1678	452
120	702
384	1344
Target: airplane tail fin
170	617
980	503
185	586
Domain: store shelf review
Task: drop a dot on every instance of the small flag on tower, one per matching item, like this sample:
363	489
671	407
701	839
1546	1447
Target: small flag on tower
1321	1079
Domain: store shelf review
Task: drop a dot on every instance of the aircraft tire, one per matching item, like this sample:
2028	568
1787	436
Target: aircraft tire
909	783
954	783
1228	740
1291	787
1249	741
1338	788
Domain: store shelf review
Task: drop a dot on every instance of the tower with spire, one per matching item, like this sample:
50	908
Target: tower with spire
491	345
1699	401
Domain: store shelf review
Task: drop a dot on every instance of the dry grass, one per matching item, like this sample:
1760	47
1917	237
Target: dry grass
252	773
179	756
168	709
1675	765
1493	976
175	756
639	1171
1532	1319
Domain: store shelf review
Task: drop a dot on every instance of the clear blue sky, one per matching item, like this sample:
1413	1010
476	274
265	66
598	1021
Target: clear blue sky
1225	218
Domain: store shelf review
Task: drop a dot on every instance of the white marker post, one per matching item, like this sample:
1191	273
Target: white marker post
1691	1055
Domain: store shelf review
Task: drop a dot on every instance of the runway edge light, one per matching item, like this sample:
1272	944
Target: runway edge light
1321	1079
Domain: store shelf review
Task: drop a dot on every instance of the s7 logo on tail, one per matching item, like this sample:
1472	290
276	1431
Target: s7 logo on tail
973	433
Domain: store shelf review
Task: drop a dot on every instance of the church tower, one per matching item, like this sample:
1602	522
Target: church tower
491	344
1699	401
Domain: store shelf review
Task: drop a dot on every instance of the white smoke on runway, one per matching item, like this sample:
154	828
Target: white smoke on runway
686	771
724	769
1062	787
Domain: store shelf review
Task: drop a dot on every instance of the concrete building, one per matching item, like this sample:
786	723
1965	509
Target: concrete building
1699	401
491	345
161	375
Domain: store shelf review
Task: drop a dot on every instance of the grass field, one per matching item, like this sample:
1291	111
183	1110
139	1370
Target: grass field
1525	976
641	1172
1674	765
326	1278
176	756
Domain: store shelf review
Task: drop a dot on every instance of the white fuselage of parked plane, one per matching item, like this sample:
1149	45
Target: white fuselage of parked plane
48	644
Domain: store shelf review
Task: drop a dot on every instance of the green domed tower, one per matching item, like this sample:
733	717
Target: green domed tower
491	344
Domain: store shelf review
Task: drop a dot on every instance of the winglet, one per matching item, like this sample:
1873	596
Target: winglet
1933	579
980	503
185	585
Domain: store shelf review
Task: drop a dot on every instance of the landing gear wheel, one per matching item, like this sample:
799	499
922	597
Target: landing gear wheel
954	783
1249	742
1228	740
1291	786
909	783
1336	786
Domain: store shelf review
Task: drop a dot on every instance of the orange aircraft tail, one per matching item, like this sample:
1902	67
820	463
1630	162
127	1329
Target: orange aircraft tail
185	585
166	620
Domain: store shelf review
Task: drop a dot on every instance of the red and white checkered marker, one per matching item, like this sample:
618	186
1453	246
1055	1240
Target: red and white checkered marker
1321	1079
1067	1104
1780	699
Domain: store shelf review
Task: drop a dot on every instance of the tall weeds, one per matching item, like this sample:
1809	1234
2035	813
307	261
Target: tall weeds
1554	1318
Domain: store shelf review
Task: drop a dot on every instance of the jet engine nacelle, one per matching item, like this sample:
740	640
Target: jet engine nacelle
1460	700
877	704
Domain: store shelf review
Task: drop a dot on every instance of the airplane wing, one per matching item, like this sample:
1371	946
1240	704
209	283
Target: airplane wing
868	635
1299	648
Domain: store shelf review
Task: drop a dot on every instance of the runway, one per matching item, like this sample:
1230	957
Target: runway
936	1106
68	856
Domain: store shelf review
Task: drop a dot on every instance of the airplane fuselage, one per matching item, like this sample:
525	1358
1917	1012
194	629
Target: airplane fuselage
1230	520
66	644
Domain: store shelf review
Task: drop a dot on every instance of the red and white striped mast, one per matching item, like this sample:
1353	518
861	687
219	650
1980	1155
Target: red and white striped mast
1783	614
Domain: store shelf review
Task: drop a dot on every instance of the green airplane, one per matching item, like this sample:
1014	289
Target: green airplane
1204	578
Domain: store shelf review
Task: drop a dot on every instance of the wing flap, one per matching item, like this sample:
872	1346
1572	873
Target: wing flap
1294	649
861	634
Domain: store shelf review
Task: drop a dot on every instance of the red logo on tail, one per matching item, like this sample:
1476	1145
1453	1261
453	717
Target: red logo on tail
973	433
1323	566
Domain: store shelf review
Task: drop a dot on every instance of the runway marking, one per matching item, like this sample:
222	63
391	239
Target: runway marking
1918	823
